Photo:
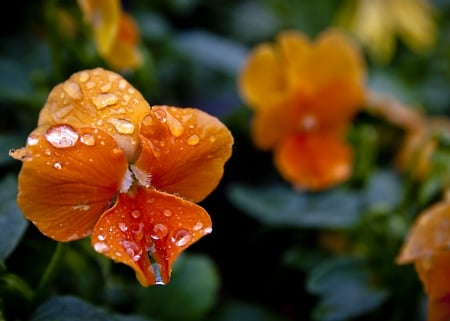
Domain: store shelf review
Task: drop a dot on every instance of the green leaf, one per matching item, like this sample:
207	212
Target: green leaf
14	83
345	288
280	205
192	290
69	308
12	221
234	311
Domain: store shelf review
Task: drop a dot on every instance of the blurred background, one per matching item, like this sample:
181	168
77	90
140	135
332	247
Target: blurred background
274	253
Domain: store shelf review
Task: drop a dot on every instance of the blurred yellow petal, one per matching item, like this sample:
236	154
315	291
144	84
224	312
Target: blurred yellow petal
314	162
101	99
103	16
68	178
148	230
184	151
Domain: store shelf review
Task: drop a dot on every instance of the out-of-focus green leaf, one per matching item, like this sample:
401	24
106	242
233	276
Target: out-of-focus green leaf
212	51
14	82
346	290
337	208
12	222
190	294
69	308
240	311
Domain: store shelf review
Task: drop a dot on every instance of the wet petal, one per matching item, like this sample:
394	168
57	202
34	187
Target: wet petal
147	231
101	99
68	178
261	81
429	233
103	16
184	151
314	161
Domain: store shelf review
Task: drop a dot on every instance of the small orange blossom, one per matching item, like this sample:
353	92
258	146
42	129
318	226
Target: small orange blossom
102	162
115	32
304	96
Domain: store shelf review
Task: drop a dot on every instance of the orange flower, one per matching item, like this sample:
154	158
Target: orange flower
116	33
102	162
304	96
427	247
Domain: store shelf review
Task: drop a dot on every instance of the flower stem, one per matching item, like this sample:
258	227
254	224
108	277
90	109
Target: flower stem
50	272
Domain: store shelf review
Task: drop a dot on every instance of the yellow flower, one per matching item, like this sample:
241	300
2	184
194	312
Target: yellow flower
377	23
304	96
115	32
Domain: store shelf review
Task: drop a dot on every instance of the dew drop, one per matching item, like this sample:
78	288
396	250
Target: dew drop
87	139
47	152
84	76
123	227
73	89
104	100
136	213
122	84
101	247
32	140
175	126
159	231
193	140
160	115
122	126
61	136
197	226
57	165
212	138
181	237
147	121
106	87
208	230
101	237
167	213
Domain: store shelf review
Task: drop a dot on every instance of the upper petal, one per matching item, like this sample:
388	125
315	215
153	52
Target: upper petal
184	151
101	99
68	178
103	16
429	233
147	230
314	161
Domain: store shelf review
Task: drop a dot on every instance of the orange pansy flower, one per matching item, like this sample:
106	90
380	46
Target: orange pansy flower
427	247
102	162
304	96
115	32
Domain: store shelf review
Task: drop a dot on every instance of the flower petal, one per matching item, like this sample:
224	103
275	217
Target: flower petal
184	151
68	178
103	16
314	161
101	99
261	81
147	231
429	233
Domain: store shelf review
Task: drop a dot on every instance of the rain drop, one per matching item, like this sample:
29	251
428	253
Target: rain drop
161	115
159	231
61	136
73	89
32	140
193	140
104	100
57	165
167	213
87	139
136	213
101	247
181	237
123	227
122	126
197	226
175	126
84	76
101	237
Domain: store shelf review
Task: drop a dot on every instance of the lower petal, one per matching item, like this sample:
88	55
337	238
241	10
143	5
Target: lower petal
147	230
314	161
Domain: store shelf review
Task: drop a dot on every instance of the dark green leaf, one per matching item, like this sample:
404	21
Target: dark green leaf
12	222
193	287
346	289
14	83
240	311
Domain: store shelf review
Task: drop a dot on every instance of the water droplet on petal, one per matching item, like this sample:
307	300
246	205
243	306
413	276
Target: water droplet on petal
193	140
32	140
87	139
123	227
136	213
160	115
122	126
197	226
57	165
73	89
101	237
104	100
159	231
61	136
167	213
84	76
101	247
175	126
147	121
212	138
208	230
181	237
